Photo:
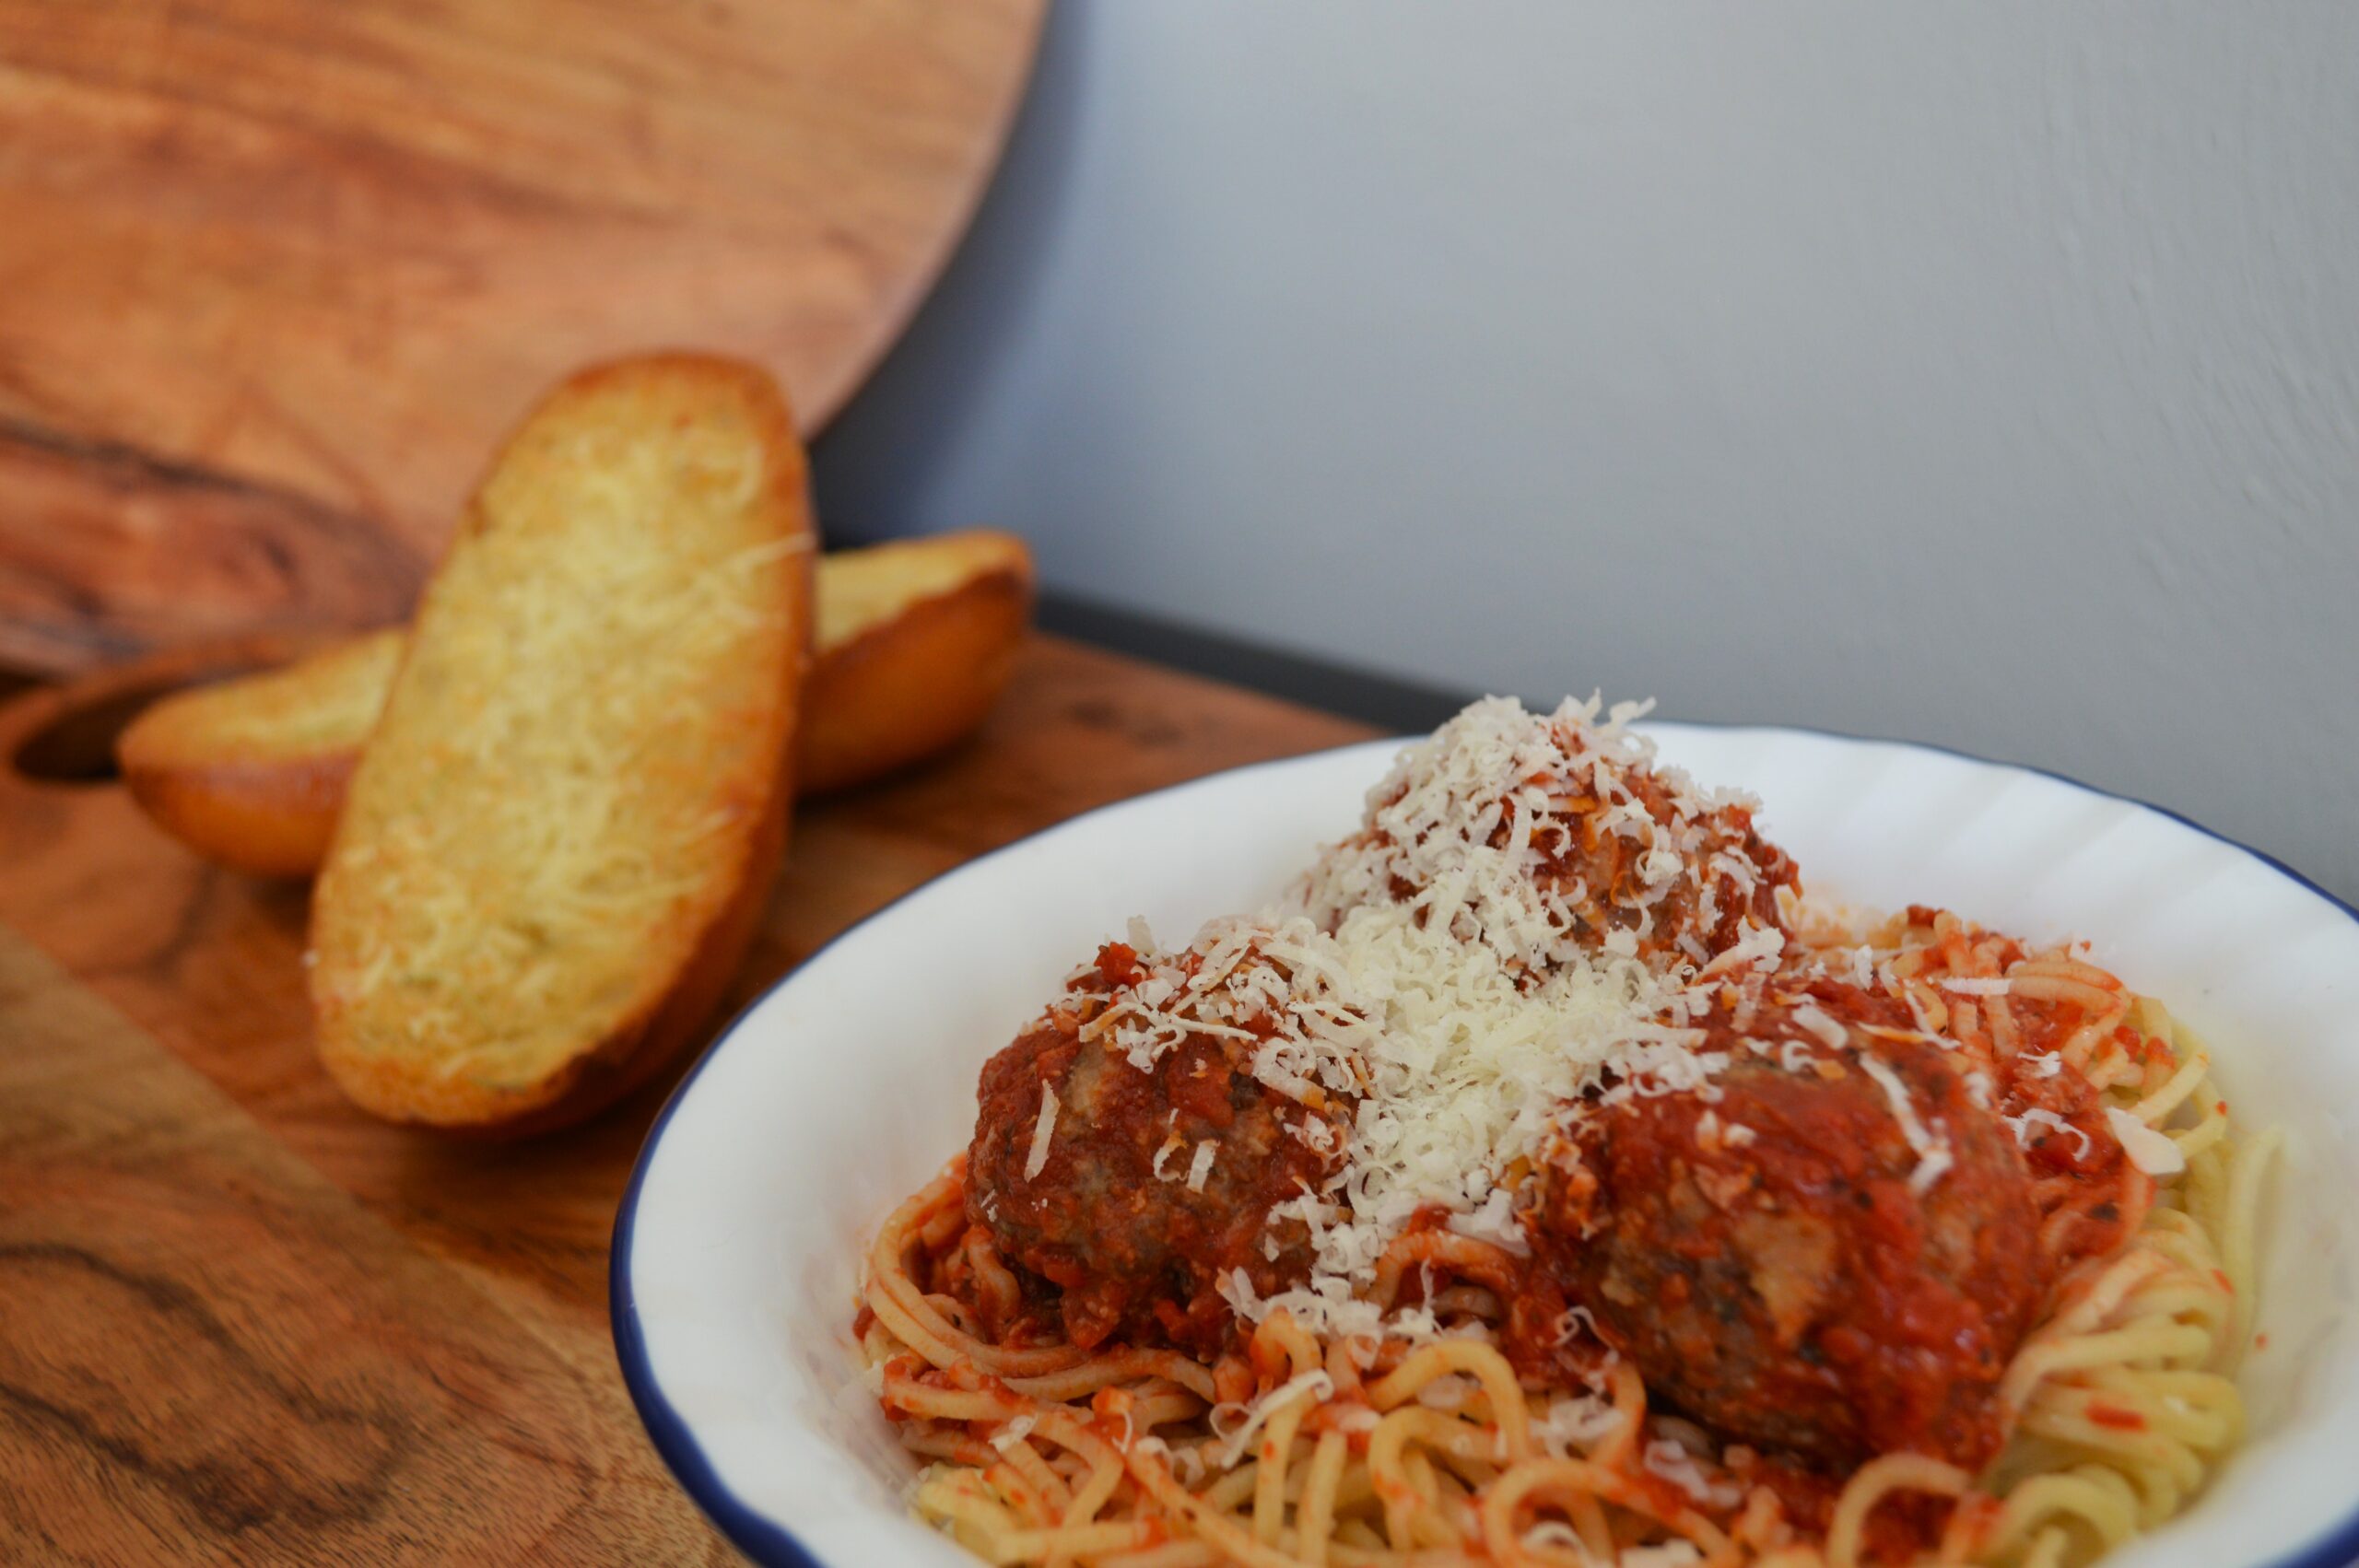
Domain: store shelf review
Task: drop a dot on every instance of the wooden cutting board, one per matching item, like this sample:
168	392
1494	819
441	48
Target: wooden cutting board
242	1323
272	273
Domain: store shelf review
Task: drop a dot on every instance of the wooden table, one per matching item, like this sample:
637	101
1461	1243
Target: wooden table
241	1322
277	271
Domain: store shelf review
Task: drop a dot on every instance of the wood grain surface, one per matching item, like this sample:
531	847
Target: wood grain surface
210	1353
242	1322
272	272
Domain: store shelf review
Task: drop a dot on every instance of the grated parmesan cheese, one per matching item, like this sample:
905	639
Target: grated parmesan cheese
2151	1151
1043	1127
1435	1003
1757	948
1468	820
1316	1384
1274	981
1574	1423
1824	1024
1677	1466
1462	1017
1934	1156
1464	1073
2035	1116
1201	1166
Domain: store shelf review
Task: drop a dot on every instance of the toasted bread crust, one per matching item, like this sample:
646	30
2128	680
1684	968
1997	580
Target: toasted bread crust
892	689
922	679
558	836
251	773
270	819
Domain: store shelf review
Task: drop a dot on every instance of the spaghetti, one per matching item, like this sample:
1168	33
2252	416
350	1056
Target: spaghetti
1420	1428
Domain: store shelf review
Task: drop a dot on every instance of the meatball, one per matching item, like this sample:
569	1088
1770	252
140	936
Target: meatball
1782	1260
1725	878
1551	837
1168	1147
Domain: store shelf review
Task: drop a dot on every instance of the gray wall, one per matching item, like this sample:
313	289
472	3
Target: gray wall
1986	375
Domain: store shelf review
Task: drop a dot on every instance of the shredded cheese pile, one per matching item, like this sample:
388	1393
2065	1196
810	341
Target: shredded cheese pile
1464	1076
1483	1015
1278	980
1426	974
1431	825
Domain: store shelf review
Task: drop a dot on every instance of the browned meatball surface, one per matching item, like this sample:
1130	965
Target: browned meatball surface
1549	837
1156	1183
1781	1262
1729	875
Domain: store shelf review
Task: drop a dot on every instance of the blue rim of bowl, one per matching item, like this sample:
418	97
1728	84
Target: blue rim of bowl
769	1543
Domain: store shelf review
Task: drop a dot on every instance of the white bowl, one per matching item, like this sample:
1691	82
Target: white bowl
842	1090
